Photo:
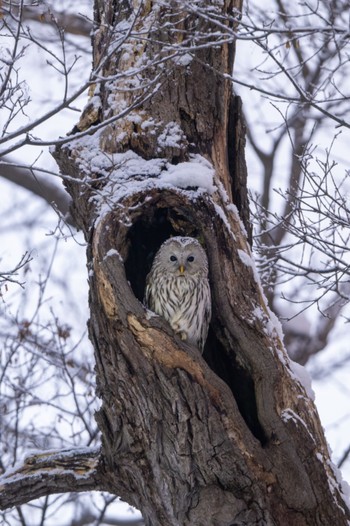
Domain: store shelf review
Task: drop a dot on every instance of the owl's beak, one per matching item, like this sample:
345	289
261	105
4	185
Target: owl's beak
181	269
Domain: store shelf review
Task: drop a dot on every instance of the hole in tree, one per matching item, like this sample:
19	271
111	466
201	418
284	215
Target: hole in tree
145	237
226	366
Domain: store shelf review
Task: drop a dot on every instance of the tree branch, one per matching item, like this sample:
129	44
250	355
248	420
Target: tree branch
91	519
29	179
48	473
72	23
344	456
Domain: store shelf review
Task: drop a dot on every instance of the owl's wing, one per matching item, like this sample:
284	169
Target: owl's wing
146	297
150	295
206	315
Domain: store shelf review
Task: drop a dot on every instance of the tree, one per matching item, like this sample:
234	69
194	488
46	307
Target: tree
299	83
233	435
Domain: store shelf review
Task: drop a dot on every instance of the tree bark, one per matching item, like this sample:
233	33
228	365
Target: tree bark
230	437
50	472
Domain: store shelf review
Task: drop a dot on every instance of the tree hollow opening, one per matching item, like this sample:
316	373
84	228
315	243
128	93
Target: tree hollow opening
144	237
224	363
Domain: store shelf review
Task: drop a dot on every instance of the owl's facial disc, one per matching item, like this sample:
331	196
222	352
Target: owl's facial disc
184	261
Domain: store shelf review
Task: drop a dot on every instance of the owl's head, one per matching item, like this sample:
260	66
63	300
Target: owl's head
182	256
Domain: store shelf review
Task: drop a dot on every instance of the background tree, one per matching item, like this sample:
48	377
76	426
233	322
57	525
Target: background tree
169	138
303	110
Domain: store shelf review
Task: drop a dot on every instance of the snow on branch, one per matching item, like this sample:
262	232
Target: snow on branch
49	472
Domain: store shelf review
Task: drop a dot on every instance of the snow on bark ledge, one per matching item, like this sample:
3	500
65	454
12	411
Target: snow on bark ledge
128	173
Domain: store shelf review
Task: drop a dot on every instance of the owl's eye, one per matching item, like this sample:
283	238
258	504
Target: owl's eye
173	258
190	259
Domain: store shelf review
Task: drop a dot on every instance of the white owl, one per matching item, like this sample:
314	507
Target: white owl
177	288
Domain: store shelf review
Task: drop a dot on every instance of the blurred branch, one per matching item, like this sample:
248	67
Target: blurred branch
301	344
323	371
9	276
344	457
89	518
29	179
72	23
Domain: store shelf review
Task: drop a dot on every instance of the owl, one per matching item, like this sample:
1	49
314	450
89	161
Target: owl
177	288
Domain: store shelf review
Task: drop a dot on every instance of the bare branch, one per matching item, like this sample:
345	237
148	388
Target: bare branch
51	472
73	23
344	457
30	179
90	518
9	276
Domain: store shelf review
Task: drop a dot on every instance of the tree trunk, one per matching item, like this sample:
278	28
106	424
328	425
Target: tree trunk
230	437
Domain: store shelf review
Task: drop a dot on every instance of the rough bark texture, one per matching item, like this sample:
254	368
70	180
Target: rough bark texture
50	472
230	437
